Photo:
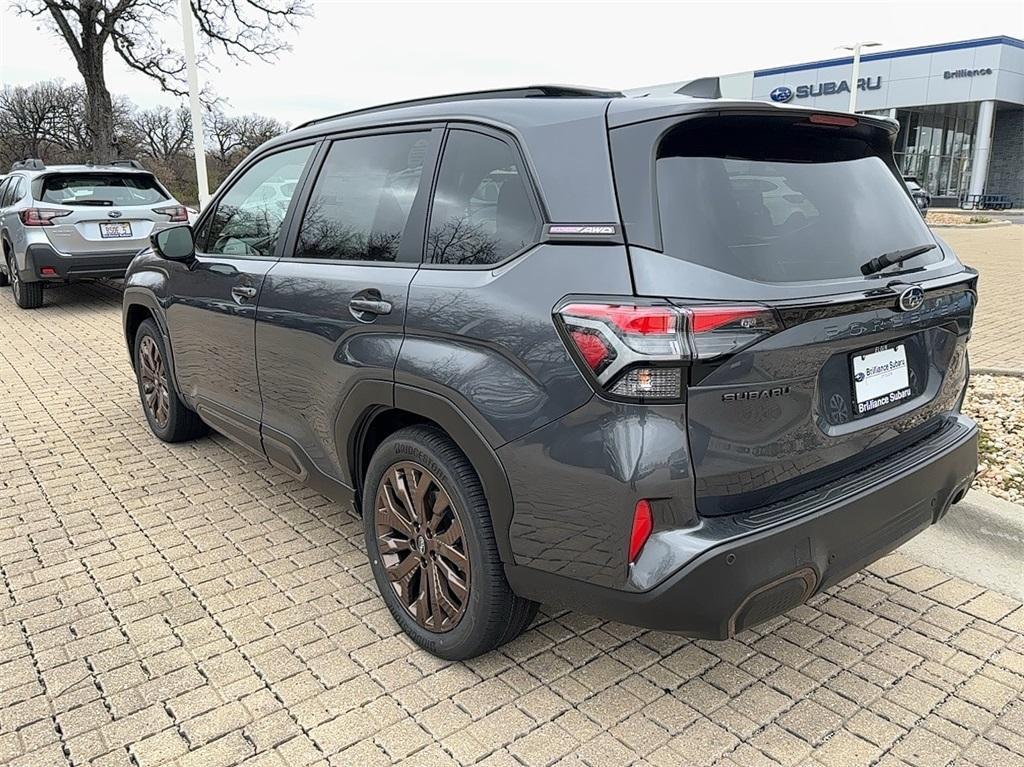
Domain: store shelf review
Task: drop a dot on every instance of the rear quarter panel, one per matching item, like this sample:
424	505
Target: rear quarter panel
485	338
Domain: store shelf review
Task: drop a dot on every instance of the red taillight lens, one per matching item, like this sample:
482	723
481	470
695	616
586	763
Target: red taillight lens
718	330
593	350
176	213
41	216
643	524
636	320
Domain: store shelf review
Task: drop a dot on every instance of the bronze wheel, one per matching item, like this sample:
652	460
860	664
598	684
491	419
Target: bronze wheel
422	546
153	376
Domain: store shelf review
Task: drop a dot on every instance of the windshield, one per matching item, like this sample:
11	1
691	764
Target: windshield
781	206
101	189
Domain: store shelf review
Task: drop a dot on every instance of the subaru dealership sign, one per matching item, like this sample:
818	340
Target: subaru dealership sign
784	93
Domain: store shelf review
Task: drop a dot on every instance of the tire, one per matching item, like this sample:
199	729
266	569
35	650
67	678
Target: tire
27	295
169	418
490	614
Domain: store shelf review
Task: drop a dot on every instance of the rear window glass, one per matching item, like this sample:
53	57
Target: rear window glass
782	203
101	189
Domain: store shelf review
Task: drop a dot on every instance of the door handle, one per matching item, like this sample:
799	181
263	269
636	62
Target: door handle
242	293
369	306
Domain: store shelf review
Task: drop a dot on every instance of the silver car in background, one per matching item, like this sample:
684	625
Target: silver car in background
63	223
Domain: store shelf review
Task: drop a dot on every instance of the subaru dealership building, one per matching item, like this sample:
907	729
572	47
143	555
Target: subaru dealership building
960	107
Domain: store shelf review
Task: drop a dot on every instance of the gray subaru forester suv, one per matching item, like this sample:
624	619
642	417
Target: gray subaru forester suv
676	362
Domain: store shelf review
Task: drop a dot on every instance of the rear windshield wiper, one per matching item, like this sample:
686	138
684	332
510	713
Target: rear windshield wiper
894	257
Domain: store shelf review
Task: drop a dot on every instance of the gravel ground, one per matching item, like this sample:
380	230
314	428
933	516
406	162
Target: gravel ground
967	218
995	402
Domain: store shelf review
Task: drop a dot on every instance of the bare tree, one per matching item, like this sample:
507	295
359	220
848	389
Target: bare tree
242	29
162	133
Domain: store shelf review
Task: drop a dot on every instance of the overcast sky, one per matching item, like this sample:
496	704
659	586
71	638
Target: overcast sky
351	54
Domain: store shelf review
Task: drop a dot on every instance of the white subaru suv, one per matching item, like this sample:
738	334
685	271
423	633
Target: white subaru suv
62	223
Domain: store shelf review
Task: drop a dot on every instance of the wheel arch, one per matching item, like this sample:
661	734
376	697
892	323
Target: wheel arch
362	432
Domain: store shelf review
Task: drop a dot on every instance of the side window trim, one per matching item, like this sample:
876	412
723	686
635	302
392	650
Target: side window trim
533	193
237	174
414	235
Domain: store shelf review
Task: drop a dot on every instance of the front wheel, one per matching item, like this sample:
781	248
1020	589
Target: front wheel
169	418
432	549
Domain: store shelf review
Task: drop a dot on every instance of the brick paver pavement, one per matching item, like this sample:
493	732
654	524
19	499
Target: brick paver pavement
998	255
191	605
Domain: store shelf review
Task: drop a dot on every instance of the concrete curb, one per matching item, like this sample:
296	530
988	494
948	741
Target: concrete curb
979	540
997	372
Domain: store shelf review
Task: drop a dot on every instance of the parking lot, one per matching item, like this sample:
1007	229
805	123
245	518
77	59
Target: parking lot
192	605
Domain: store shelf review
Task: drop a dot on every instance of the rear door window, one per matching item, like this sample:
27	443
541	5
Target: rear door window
360	204
782	204
482	211
101	189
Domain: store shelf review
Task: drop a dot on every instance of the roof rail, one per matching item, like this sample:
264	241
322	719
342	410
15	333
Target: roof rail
31	163
529	91
127	164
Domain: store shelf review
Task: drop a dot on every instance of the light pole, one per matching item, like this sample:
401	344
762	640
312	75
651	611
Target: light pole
856	69
198	139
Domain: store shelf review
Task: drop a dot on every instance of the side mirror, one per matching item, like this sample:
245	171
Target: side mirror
176	244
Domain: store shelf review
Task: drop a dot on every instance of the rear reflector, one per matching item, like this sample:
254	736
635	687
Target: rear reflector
48	271
643	524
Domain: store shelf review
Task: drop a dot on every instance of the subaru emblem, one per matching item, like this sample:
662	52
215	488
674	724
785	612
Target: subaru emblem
782	94
114	214
911	299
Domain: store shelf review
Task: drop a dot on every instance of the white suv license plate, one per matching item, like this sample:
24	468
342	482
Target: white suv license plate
880	378
115	229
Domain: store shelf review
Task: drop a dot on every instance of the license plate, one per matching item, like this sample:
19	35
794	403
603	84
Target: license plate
880	378
115	229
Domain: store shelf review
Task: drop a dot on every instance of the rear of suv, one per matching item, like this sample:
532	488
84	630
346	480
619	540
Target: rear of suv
675	362
63	223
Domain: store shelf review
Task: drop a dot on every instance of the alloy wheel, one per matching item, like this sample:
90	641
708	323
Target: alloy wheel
12	274
153	374
422	546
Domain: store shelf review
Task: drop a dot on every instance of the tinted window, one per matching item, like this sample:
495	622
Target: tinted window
781	205
101	189
249	216
5	186
361	200
481	212
18	189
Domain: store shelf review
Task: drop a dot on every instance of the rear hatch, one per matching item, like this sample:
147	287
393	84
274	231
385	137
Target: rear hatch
822	364
103	211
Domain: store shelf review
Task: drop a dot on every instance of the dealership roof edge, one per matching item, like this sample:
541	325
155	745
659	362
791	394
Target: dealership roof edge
920	50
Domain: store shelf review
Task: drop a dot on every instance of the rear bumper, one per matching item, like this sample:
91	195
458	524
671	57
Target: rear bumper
741	570
40	259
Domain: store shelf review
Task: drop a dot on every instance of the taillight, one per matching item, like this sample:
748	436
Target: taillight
638	352
41	216
177	213
719	330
